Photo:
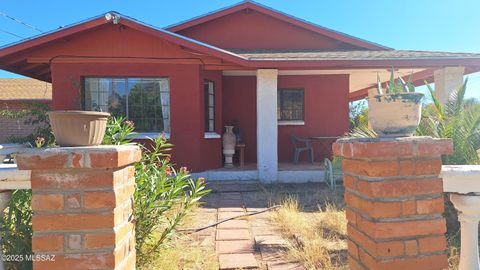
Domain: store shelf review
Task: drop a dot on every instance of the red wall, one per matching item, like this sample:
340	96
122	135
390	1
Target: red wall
326	110
186	99
186	83
239	102
253	30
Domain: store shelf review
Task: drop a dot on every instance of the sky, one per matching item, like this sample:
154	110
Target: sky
438	25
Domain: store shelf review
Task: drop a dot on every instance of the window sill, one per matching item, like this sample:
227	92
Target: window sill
211	135
291	123
147	135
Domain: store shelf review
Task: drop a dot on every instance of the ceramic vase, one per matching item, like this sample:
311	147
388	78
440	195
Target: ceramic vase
228	140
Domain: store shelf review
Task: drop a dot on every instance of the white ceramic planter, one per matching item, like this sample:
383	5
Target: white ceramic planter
228	142
395	115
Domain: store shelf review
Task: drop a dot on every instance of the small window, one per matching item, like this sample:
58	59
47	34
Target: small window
209	89
290	105
145	101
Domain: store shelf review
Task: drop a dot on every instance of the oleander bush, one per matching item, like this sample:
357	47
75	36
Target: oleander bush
163	195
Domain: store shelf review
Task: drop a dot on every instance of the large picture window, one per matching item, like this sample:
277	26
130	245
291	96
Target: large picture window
290	105
145	101
209	92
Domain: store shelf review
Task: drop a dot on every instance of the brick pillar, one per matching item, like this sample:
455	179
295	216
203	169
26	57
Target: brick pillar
82	201
394	200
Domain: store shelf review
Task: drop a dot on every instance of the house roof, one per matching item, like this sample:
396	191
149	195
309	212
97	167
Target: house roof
24	89
280	16
297	55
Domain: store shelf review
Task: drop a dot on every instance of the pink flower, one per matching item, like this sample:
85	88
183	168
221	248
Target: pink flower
168	171
130	124
202	180
183	170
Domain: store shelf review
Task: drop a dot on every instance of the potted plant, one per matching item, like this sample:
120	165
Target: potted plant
78	128
396	111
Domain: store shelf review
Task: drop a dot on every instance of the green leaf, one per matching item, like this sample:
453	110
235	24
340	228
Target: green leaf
379	85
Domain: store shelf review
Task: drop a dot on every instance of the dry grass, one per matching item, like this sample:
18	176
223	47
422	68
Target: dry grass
318	238
184	252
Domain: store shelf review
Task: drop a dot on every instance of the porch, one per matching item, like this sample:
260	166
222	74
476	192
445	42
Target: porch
287	173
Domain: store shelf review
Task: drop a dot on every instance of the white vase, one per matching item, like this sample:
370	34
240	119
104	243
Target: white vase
228	146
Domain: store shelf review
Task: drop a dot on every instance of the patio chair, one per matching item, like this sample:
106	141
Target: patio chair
300	145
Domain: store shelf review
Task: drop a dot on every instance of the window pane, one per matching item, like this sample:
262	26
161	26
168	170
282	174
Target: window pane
143	100
290	104
148	99
209	103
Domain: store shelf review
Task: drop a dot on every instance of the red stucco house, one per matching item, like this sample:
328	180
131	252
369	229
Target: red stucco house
272	74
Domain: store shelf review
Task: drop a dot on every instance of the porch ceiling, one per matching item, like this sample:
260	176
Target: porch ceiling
360	79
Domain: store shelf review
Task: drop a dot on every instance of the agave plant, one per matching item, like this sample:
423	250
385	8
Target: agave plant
395	86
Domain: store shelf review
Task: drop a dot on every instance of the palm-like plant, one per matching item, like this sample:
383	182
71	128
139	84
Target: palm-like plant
459	120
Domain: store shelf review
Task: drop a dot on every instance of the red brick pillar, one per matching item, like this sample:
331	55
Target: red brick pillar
82	201
394	200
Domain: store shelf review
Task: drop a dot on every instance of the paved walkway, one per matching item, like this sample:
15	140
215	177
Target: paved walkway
246	242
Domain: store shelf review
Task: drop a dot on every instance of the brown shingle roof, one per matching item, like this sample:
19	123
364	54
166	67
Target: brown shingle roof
24	89
349	55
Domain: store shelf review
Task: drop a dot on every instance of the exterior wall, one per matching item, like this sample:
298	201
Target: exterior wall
326	110
186	82
186	104
239	103
247	29
211	155
14	127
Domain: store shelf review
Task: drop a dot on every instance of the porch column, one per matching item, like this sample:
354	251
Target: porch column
447	80
267	130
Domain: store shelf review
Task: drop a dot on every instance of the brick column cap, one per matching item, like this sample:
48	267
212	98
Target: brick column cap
397	147
87	157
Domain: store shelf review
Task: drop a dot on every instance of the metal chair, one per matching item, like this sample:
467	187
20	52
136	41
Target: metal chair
300	145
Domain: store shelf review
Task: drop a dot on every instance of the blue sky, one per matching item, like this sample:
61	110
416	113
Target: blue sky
408	24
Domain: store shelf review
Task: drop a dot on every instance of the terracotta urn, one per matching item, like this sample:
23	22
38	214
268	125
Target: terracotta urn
228	140
395	115
78	128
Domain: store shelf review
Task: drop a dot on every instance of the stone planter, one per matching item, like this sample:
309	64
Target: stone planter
228	144
395	115
78	128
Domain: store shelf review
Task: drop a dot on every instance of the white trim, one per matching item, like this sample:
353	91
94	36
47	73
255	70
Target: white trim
147	135
291	123
211	135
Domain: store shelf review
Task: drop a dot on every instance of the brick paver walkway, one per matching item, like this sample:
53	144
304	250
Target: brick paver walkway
247	242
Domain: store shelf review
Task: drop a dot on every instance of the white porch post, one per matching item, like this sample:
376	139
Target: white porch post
447	80
267	129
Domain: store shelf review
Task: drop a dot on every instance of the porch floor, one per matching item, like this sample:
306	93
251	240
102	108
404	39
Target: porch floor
282	166
287	173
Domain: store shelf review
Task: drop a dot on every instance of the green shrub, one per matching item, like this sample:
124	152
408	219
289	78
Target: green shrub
163	196
17	229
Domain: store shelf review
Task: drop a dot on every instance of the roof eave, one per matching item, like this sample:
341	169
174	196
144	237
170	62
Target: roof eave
341	64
